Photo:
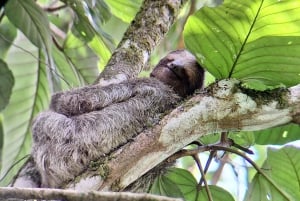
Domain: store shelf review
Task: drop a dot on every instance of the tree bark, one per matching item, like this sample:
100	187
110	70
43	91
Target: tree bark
225	107
56	194
150	25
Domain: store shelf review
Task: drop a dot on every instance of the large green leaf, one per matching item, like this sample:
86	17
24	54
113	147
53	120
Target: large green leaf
30	95
124	10
31	20
282	167
278	135
256	41
6	84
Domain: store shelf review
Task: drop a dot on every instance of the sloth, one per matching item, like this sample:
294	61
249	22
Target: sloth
85	124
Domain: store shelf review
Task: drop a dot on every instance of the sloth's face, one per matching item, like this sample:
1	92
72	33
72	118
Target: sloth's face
180	70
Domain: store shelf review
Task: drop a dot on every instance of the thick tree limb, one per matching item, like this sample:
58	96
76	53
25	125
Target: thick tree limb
151	23
223	108
56	194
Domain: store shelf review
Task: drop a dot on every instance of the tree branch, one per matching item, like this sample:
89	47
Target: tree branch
150	25
223	108
56	194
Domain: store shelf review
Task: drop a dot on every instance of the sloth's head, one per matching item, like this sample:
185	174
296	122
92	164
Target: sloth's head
180	70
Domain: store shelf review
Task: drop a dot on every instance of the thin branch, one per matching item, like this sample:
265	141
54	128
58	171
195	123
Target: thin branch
208	162
55	194
249	160
57	8
198	162
57	45
217	148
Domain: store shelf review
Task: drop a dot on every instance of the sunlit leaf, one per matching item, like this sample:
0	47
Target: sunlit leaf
278	135
82	59
30	95
31	20
282	167
125	10
6	84
210	139
218	194
83	23
100	47
256	41
90	32
176	183
65	71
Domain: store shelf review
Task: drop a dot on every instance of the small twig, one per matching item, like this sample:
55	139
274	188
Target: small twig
224	137
244	149
193	152
60	48
53	9
208	162
225	141
253	164
198	162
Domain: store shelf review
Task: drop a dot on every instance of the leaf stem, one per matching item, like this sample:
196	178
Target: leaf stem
245	40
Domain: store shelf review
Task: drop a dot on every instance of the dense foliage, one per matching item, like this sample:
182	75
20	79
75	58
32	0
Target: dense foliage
48	46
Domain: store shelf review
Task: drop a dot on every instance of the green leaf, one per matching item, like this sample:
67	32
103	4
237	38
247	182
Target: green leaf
99	10
245	139
256	41
30	95
218	194
102	49
83	61
83	23
165	187
6	84
210	139
1	139
261	189
124	10
31	20
89	31
7	35
176	183
282	167
278	135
